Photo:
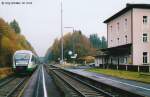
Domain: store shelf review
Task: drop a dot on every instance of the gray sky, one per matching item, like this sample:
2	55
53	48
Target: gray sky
40	21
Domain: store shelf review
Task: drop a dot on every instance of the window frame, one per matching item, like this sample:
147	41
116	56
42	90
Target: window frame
145	19
118	27
126	39
32	59
118	40
125	24
145	58
110	29
145	37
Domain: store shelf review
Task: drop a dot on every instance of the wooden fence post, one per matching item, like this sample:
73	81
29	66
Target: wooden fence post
126	67
117	67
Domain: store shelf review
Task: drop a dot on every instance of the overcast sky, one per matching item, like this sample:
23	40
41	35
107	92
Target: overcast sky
40	21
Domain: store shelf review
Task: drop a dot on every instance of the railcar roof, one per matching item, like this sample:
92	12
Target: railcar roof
23	51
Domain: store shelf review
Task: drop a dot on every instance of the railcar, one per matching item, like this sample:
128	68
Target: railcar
24	61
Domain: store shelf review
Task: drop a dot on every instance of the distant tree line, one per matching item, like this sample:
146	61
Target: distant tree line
77	43
11	40
98	42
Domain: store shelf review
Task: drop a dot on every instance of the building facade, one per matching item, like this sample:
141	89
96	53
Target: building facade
128	37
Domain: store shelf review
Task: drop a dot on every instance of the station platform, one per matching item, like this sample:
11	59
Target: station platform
128	85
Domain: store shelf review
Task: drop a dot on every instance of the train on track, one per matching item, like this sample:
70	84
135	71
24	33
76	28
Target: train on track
24	61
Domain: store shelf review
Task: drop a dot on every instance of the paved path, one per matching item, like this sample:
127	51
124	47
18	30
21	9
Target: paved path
129	85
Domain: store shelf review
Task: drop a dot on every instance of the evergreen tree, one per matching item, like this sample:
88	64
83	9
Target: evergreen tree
104	42
14	24
95	41
98	42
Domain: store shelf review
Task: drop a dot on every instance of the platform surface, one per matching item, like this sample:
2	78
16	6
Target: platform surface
129	85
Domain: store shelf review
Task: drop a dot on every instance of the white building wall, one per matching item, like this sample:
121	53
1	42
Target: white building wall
138	29
98	60
124	29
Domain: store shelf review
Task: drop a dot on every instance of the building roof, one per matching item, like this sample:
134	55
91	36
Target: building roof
118	50
127	8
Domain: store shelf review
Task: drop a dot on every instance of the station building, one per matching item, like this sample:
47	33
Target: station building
128	37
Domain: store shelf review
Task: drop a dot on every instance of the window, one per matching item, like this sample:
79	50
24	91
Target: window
125	24
32	58
111	60
118	27
125	60
145	57
126	38
145	19
118	40
110	28
145	37
122	60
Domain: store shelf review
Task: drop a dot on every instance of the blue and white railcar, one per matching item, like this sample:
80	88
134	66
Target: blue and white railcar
24	61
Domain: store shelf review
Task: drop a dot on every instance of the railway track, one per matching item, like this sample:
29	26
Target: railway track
82	89
6	80
109	90
12	86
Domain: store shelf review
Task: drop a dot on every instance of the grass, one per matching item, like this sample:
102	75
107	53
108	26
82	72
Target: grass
123	74
4	72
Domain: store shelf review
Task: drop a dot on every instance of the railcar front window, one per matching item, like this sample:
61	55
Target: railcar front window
22	58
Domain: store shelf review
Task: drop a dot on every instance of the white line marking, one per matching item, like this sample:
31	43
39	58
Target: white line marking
38	83
44	86
124	83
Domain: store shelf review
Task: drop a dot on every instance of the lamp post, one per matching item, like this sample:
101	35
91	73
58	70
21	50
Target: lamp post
62	32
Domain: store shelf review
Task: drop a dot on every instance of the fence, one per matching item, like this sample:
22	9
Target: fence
137	68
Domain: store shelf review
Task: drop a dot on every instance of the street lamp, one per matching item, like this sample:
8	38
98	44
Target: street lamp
72	56
70	28
62	31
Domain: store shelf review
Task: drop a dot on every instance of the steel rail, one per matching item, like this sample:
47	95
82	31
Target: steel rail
7	81
16	87
95	88
85	89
